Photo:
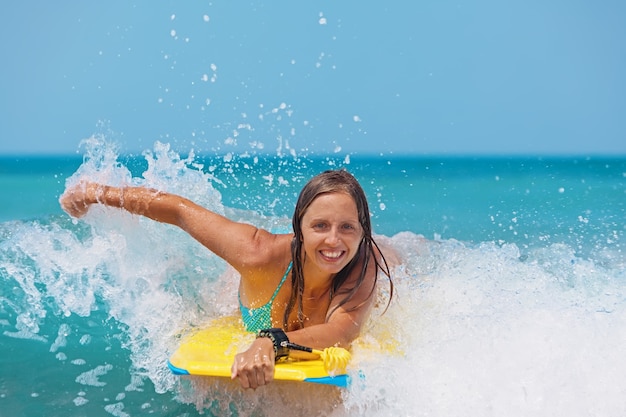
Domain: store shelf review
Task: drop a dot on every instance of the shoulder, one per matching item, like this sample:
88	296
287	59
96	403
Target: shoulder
262	269
268	252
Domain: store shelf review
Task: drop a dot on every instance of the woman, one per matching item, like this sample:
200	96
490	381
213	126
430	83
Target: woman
314	287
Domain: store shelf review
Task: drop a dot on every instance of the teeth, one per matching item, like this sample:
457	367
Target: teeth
334	254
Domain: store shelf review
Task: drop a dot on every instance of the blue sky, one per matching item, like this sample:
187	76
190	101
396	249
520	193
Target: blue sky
427	77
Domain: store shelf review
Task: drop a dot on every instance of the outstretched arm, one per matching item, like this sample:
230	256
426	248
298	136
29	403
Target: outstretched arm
241	245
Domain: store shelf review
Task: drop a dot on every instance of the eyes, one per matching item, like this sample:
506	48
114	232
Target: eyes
322	226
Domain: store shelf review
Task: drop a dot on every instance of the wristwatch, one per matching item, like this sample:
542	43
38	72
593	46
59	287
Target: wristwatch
279	340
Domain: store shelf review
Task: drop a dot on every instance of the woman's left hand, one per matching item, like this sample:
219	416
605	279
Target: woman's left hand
255	366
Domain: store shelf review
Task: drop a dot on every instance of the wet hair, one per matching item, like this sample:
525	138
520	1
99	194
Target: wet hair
334	181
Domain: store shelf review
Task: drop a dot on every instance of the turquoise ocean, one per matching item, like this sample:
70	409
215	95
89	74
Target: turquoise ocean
510	298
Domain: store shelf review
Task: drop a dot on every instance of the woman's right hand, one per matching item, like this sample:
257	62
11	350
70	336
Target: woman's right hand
76	199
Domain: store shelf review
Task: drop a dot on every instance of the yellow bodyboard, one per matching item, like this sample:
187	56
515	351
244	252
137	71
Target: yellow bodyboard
211	351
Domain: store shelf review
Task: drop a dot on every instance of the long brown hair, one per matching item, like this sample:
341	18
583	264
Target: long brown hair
331	182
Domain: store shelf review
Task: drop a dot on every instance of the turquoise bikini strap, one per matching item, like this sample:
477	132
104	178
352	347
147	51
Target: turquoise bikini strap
282	281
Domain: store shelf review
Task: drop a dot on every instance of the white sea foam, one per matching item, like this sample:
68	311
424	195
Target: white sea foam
91	377
78	401
116	410
61	340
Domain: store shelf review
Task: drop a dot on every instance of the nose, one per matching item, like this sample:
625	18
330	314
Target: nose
332	238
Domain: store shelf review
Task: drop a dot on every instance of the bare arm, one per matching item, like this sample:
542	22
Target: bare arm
345	323
242	245
255	366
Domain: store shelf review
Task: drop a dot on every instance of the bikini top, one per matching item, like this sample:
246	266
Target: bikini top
255	319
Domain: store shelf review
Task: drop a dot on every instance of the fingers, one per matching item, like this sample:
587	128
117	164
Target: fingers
254	367
74	200
73	207
73	204
253	373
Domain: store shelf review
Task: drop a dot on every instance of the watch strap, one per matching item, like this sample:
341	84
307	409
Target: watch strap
279	340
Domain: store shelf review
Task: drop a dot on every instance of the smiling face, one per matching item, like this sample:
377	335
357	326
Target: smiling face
331	232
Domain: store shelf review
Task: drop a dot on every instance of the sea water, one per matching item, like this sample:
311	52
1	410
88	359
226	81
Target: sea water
510	295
